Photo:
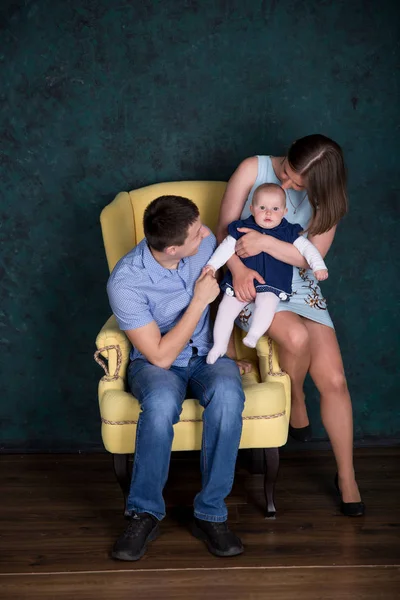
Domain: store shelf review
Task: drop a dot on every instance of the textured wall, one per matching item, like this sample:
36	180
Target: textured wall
100	96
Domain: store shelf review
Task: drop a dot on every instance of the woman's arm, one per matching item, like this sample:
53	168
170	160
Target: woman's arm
232	204
253	243
236	194
323	241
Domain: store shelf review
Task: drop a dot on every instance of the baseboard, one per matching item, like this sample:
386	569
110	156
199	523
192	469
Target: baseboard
64	447
319	444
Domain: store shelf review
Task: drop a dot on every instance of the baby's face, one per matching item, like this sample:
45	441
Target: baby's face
268	208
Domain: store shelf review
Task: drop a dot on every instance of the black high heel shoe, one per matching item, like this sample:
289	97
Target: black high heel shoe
349	509
301	434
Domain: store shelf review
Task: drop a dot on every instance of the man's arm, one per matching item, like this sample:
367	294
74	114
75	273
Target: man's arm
162	350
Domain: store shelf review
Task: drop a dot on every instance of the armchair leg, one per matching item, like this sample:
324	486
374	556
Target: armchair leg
271	472
121	470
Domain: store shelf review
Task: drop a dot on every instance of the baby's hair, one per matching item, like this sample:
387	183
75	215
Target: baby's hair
269	187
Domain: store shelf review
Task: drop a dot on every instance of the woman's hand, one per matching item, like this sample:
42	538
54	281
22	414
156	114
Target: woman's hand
245	366
243	283
250	244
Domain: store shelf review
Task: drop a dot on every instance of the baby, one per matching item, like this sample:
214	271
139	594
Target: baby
268	209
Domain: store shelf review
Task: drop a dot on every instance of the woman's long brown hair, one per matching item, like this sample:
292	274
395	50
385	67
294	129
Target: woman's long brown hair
320	160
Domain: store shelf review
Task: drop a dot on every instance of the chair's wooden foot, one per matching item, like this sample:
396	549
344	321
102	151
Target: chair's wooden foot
122	473
271	456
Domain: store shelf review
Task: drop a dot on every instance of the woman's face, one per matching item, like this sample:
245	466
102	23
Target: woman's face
291	179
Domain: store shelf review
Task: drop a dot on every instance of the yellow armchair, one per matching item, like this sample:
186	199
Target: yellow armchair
267	388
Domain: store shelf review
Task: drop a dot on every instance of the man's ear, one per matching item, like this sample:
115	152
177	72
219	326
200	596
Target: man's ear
170	250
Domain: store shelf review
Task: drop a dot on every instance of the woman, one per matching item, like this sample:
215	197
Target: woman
314	179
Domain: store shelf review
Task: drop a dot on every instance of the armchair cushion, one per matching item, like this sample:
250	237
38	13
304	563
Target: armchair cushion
265	421
265	417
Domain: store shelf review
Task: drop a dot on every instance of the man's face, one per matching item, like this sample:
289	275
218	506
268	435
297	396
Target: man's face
268	208
196	233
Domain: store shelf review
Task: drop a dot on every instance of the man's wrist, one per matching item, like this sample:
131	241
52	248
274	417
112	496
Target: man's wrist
198	305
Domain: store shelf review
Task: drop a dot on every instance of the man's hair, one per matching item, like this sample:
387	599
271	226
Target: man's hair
166	221
273	187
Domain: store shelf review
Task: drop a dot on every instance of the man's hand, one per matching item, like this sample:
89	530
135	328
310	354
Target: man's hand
243	283
250	244
321	275
206	289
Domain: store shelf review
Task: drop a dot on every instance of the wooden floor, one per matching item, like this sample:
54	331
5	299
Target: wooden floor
60	514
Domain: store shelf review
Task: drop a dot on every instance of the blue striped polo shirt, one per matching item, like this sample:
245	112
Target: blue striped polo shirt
140	291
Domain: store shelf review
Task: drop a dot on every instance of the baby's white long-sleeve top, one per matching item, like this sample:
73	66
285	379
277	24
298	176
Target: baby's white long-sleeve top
227	249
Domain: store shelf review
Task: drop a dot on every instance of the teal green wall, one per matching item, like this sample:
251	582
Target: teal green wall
100	96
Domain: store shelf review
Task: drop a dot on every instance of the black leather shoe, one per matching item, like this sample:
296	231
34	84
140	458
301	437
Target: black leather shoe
301	434
349	509
132	544
218	538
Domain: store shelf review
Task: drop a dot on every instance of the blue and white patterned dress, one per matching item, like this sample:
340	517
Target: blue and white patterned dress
307	299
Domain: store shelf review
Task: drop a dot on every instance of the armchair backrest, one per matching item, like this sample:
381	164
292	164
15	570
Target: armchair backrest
122	220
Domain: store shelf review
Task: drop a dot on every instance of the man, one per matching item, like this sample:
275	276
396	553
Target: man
161	300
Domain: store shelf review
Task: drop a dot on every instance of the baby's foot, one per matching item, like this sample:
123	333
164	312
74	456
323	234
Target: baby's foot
250	340
214	354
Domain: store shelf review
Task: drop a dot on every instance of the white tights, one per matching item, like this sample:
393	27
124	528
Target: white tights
265	307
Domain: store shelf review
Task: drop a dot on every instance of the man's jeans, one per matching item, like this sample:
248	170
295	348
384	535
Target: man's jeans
161	393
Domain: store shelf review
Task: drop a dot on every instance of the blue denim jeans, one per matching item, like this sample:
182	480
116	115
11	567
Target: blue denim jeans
161	393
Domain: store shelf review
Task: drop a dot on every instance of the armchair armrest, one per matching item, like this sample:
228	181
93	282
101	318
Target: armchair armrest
268	359
113	344
267	363
270	370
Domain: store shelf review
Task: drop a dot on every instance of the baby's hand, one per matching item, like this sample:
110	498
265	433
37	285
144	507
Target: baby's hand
321	275
208	269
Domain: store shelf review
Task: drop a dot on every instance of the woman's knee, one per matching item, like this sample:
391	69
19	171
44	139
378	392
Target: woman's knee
333	383
295	339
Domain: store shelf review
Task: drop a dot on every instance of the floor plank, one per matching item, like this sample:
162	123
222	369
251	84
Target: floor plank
324	583
60	514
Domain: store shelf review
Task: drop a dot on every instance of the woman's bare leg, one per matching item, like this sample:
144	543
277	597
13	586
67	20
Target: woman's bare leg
290	333
327	372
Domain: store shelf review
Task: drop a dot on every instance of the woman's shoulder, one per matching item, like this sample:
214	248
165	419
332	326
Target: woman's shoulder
248	166
253	168
252	162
